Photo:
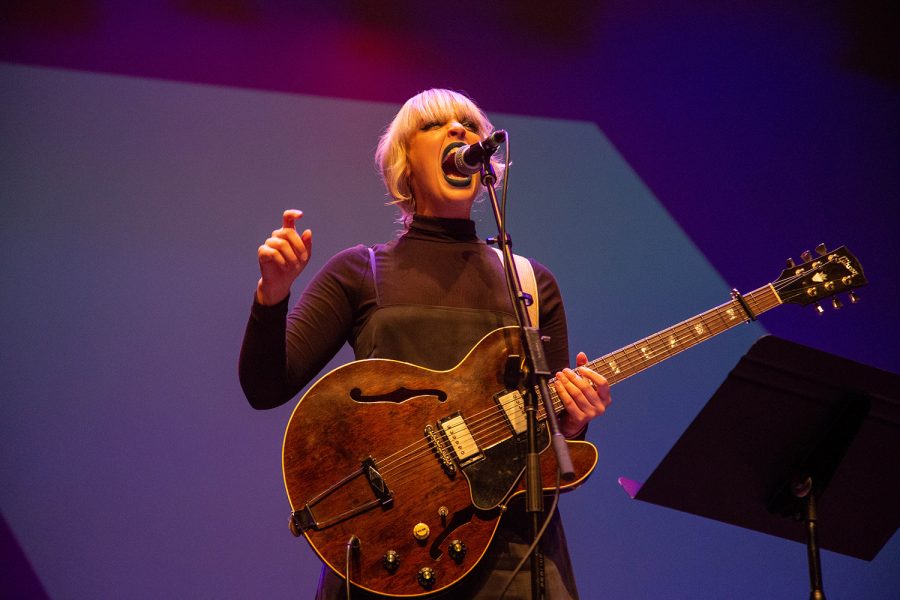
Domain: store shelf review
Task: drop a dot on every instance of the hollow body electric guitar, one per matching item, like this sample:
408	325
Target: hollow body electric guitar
399	475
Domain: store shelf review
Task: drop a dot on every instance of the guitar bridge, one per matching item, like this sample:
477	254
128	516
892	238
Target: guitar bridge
434	440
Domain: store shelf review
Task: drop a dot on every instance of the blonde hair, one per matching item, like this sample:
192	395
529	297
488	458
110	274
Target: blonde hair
392	155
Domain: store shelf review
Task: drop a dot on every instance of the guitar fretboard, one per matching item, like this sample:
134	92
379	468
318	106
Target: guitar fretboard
643	354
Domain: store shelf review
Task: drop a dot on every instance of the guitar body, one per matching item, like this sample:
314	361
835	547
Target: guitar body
419	464
410	461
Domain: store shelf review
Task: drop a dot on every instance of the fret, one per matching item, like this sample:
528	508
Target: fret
610	368
653	349
643	354
635	361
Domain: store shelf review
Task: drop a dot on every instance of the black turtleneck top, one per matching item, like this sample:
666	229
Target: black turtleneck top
440	289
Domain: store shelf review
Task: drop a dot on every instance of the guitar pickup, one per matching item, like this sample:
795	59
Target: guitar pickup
460	438
513	406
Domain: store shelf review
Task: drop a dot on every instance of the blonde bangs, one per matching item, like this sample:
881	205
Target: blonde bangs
442	106
391	156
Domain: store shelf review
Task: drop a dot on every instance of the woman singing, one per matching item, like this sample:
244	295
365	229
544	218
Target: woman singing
425	298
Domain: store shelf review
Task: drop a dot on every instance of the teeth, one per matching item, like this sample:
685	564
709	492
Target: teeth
451	175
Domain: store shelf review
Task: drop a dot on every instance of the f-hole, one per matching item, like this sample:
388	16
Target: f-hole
398	395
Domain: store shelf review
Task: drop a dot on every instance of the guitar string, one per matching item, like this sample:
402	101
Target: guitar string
480	433
485	426
668	343
476	425
631	359
412	451
655	343
657	340
494	424
451	430
660	344
485	422
479	425
481	428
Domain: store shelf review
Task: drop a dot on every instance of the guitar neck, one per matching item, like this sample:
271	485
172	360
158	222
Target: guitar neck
643	354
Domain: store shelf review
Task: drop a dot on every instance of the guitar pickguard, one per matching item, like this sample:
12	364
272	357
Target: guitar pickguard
493	479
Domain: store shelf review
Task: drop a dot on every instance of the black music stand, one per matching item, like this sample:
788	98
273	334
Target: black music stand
792	432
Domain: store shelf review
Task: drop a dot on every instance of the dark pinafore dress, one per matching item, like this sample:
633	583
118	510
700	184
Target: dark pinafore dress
427	333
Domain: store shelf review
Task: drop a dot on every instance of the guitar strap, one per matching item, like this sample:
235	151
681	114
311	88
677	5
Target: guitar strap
529	284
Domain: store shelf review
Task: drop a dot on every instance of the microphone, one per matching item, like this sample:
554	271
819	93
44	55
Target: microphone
467	160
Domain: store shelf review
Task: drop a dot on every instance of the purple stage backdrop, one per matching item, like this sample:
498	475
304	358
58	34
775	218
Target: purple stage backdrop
662	156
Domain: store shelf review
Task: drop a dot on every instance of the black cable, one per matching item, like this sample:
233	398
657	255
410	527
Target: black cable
537	538
352	544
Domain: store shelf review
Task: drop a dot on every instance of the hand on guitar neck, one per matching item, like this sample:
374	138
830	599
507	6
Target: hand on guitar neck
585	395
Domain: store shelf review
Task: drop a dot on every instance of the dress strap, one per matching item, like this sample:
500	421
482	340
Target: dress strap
374	276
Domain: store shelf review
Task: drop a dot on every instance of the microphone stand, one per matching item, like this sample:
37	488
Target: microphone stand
534	376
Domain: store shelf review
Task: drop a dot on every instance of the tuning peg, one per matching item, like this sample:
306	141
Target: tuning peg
806	256
819	310
790	263
821	249
836	303
853	297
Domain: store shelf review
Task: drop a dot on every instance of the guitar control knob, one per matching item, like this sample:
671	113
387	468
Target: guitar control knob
391	560
426	577
421	532
457	550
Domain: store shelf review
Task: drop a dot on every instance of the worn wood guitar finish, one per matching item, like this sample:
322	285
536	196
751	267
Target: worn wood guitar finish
418	465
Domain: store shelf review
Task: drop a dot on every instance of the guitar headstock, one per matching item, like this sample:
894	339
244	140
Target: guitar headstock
821	277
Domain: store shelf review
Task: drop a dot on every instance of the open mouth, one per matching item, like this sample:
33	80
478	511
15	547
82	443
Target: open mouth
451	175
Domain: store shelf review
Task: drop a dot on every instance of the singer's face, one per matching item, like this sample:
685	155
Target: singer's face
439	193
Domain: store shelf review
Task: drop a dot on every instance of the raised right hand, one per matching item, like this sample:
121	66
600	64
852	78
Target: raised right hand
282	258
